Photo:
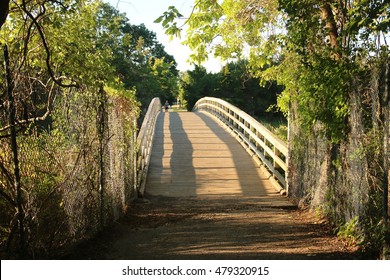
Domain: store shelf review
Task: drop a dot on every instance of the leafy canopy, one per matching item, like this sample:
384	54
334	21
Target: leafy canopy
312	48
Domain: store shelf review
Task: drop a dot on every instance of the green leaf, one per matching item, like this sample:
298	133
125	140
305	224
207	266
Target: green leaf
159	19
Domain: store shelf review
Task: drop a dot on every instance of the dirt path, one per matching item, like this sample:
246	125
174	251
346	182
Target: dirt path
190	228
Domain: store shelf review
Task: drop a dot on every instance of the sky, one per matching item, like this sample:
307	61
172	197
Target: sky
147	11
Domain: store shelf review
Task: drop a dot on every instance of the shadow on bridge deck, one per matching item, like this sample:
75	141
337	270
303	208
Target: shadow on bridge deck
193	156
208	200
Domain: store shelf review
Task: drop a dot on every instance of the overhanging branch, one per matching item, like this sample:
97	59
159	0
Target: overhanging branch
46	47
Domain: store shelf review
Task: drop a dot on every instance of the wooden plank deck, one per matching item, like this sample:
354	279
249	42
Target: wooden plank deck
193	156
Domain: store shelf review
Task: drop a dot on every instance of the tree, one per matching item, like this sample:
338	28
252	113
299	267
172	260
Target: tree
325	53
196	84
51	59
21	112
68	112
241	88
234	84
277	30
4	6
139	59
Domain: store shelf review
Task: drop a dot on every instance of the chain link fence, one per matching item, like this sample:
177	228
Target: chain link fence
348	181
77	173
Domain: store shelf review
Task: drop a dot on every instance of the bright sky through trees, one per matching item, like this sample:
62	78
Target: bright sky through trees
147	11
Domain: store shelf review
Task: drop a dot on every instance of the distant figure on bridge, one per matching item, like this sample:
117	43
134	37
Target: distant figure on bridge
166	106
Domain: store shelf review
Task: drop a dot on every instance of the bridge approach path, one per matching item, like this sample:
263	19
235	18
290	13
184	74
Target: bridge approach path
206	199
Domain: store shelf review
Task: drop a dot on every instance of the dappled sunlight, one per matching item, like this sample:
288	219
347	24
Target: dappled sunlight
221	229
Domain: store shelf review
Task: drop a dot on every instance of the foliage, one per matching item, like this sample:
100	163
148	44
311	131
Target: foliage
196	84
321	53
77	70
350	231
167	21
235	85
314	44
139	60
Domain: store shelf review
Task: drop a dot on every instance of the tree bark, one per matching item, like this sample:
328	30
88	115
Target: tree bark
386	139
4	7
101	129
14	147
331	26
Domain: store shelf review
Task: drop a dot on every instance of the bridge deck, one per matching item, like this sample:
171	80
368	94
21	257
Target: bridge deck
193	156
221	206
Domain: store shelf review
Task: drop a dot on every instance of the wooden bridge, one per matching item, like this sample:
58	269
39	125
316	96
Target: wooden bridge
213	180
217	150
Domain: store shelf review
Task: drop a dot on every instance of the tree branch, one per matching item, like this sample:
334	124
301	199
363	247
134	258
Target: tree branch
6	173
35	119
46	47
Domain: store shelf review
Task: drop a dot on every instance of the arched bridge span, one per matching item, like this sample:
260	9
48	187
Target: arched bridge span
194	154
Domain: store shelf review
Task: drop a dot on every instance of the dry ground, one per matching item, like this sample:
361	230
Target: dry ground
215	228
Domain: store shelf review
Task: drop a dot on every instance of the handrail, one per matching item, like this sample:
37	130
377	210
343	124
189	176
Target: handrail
257	139
144	145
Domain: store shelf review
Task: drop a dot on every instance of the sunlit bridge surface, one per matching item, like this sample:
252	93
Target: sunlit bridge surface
193	156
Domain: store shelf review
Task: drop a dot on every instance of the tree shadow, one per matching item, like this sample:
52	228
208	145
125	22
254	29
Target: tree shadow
171	172
252	181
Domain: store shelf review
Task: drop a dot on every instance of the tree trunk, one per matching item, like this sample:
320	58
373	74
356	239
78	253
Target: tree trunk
4	6
386	138
15	157
101	128
331	26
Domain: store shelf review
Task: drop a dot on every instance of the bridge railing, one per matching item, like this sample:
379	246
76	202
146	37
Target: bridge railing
144	145
258	140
